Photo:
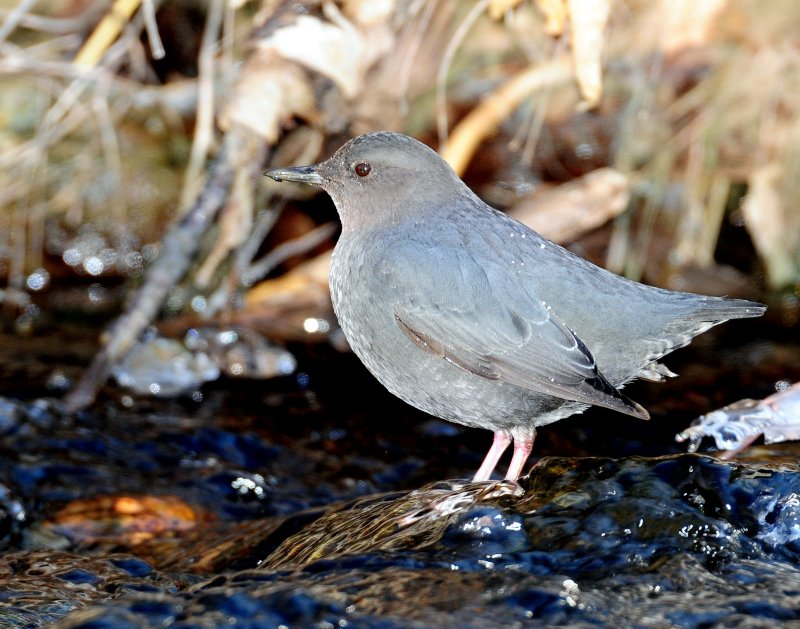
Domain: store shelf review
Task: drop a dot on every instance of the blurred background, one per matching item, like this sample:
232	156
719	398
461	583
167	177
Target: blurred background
658	138
173	383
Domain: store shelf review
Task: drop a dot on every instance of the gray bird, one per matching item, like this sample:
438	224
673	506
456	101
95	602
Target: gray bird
469	315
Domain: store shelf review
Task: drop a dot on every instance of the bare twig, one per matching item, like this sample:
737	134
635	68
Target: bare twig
444	67
14	17
60	25
286	250
110	145
262	224
204	128
407	56
21	64
156	46
485	118
106	32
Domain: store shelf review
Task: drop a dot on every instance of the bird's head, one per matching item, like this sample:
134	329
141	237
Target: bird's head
381	178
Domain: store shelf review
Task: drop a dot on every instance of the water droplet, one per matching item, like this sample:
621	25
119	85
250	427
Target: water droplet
149	252
58	381
96	293
226	337
236	369
93	265
584	150
313	325
134	261
286	363
72	256
108	257
38	279
199	303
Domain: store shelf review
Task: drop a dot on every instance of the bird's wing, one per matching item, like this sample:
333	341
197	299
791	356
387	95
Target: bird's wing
486	318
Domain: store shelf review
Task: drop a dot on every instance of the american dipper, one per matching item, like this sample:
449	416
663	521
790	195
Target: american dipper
469	315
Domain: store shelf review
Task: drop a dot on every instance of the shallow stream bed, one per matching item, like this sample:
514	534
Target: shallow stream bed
318	500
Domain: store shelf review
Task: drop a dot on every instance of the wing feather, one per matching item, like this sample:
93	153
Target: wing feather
489	321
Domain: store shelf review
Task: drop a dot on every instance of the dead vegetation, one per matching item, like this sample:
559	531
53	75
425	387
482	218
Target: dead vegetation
132	127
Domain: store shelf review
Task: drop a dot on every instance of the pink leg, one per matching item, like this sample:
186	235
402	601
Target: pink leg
499	445
522	450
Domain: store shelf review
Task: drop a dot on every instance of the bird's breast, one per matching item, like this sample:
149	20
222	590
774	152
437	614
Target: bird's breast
362	295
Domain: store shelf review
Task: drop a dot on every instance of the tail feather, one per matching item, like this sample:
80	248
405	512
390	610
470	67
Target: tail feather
719	309
704	313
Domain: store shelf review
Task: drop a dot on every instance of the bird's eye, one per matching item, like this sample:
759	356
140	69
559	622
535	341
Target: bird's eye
362	169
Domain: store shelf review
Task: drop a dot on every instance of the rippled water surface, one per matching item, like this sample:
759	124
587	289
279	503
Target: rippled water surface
318	500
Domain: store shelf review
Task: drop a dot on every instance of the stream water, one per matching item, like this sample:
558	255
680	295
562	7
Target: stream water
318	500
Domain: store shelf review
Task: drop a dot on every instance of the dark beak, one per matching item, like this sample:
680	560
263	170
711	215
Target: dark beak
300	174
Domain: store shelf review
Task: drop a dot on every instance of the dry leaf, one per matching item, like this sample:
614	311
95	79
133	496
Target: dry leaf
498	8
369	13
335	49
588	19
765	214
309	278
555	15
269	92
688	23
126	519
572	209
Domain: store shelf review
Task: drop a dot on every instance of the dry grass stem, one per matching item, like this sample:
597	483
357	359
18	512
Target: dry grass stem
204	127
106	32
444	66
484	120
588	19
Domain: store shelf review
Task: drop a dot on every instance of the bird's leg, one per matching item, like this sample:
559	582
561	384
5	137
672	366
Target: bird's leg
499	445
523	444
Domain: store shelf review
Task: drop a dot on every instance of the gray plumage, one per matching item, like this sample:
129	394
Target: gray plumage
471	316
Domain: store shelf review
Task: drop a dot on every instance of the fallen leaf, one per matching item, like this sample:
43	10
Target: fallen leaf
498	8
334	48
555	15
572	209
125	519
588	18
767	219
269	92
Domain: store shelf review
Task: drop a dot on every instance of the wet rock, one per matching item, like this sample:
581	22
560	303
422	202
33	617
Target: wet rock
674	541
241	353
165	368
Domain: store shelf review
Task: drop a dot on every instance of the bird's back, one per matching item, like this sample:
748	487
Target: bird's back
627	325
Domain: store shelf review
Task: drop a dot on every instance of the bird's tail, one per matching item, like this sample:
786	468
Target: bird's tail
718	309
696	315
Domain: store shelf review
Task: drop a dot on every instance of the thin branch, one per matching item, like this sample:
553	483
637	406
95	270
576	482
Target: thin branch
204	128
444	67
14	17
57	26
286	250
156	46
106	32
485	118
407	55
